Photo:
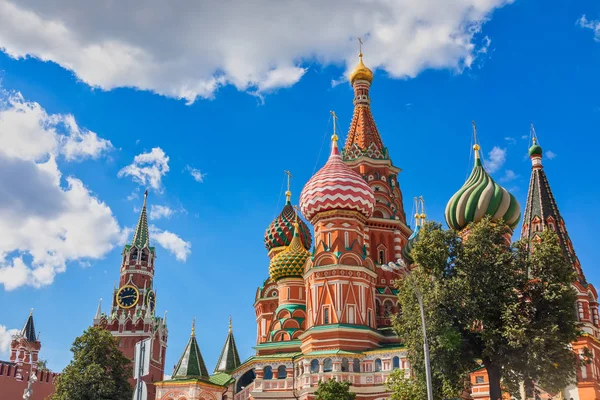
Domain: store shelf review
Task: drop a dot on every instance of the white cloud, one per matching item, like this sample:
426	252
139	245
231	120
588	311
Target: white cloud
158	211
509	175
190	49
550	154
594	25
148	168
196	174
46	221
5	338
510	140
495	160
171	242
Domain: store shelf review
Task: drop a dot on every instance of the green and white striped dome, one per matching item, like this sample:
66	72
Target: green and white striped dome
480	196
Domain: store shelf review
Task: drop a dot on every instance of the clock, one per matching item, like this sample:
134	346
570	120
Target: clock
127	296
151	300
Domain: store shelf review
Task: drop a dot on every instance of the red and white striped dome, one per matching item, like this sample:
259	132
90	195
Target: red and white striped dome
336	187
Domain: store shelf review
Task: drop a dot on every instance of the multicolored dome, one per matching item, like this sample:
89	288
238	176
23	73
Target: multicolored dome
281	230
481	196
336	187
406	250
290	262
361	72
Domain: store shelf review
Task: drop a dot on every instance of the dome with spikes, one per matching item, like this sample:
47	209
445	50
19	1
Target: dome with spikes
480	196
280	231
290	262
406	250
336	187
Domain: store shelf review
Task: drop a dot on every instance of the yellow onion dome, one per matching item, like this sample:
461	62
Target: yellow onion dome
480	196
290	262
361	72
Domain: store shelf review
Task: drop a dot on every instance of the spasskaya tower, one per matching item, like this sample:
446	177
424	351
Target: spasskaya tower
132	317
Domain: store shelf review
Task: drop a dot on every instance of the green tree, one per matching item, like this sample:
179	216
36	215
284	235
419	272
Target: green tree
42	365
98	371
334	390
491	302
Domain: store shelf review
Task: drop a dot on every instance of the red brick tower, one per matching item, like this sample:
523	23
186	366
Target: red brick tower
385	231
132	314
542	213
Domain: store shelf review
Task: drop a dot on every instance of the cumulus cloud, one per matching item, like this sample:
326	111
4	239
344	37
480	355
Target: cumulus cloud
171	242
495	160
148	168
550	154
509	175
46	220
186	49
196	174
5	338
158	212
594	25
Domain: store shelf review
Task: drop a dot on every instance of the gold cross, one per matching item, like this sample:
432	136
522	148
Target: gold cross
360	45
288	194
334	137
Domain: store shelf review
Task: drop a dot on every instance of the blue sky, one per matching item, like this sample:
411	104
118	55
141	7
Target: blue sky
239	105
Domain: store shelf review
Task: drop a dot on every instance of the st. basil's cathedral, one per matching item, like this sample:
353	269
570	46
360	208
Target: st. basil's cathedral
326	306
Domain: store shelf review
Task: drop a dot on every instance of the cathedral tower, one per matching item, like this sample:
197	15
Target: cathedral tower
385	230
131	317
541	212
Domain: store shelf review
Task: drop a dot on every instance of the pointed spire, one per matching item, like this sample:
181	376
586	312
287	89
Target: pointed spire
334	137
141	237
541	210
288	193
363	137
28	331
476	146
230	358
191	364
99	310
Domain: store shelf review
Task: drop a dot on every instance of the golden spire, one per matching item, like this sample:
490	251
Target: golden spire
194	327
288	193
361	72
533	135
476	146
334	137
417	215
230	325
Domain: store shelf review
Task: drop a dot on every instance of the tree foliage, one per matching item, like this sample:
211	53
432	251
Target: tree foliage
334	390
42	365
98	371
489	302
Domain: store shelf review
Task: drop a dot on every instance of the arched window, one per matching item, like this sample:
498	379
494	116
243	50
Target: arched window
387	308
396	362
134	254
344	365
356	365
327	365
268	373
378	365
381	257
314	366
144	255
281	372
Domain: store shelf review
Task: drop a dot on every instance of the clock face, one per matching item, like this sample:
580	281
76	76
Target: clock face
127	296
151	300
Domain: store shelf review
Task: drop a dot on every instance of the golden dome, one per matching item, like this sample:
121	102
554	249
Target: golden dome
361	72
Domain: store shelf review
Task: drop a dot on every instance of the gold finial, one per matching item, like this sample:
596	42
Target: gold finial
533	134
334	138
417	215
288	194
360	44
230	325
423	215
30	312
194	327
476	146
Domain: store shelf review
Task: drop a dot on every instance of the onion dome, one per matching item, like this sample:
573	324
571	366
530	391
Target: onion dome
290	262
280	231
361	72
480	196
336	187
535	149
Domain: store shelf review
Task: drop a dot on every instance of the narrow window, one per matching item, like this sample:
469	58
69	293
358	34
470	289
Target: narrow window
347	239
381	257
288	293
351	314
325	315
281	372
396	362
329	240
378	365
314	366
369	317
268	373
